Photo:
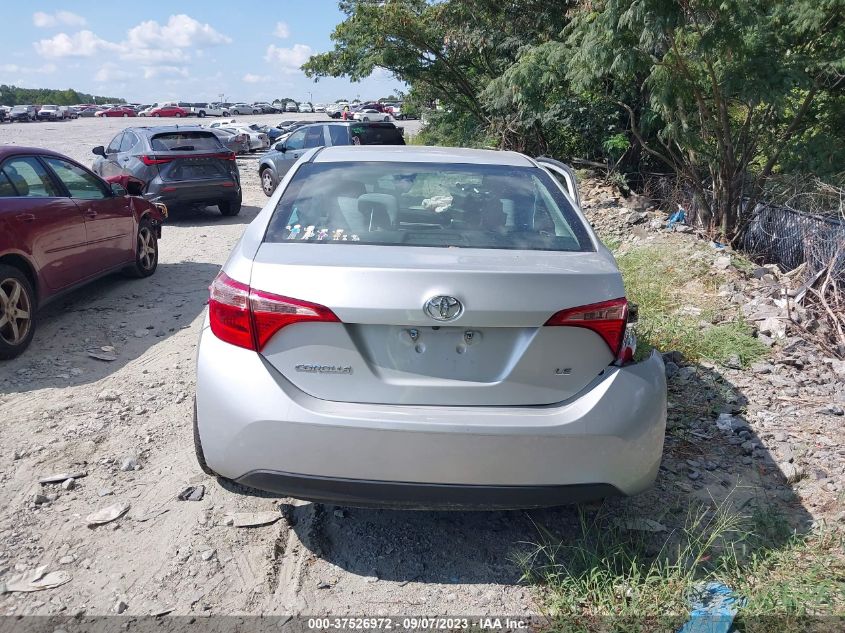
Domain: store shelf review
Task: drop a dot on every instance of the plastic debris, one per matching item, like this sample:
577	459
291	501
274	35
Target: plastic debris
679	217
108	514
192	493
714	606
36	580
61	477
255	519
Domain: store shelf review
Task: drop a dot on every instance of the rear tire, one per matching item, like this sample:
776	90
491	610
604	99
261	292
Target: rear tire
229	208
16	297
202	114
146	251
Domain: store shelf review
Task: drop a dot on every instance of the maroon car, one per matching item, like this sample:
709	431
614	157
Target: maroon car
121	111
62	226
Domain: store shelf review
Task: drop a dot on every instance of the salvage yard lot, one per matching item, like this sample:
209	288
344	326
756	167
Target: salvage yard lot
761	487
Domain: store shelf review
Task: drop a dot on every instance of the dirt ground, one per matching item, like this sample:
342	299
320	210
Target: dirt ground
127	424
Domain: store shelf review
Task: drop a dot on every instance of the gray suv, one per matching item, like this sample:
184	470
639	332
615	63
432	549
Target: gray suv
276	163
178	165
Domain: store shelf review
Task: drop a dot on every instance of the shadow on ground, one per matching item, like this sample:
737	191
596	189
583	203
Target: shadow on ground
206	216
703	467
131	315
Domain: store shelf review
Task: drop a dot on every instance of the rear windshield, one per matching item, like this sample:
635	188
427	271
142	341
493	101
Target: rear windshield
186	142
376	135
427	204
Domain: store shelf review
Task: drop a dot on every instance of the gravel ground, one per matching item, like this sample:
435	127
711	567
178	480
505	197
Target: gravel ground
127	424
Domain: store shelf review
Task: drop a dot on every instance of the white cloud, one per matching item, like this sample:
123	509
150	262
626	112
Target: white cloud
44	69
290	59
153	56
282	30
81	44
112	72
251	78
181	31
151	72
49	20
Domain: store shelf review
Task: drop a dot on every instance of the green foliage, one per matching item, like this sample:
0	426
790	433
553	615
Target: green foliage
12	95
678	304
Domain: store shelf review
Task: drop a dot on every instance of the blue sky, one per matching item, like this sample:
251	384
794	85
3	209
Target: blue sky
150	51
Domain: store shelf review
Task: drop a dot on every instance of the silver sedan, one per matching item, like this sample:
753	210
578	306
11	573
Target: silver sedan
426	327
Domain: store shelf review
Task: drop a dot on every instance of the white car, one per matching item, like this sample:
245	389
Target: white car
257	140
305	107
371	115
426	327
319	108
207	109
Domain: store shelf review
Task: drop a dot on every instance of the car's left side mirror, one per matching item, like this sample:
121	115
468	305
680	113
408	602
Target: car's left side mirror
281	147
99	150
118	190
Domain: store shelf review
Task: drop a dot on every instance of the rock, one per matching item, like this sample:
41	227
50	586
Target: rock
733	362
726	422
673	357
120	606
108	514
140	333
671	369
108	395
67	560
636	217
722	262
762	368
129	463
792	472
101	355
694	474
834	409
104	492
60	478
339	514
40	500
191	493
207	555
772	326
69	483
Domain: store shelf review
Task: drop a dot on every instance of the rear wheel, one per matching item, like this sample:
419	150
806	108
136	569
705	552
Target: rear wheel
202	114
177	115
156	115
229	208
125	115
17	312
268	182
146	251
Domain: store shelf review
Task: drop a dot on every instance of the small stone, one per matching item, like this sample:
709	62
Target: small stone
69	484
792	472
747	461
207	555
67	560
671	369
722	263
708	465
694	474
140	333
322	584
104	492
339	514
108	395
128	463
40	500
121	606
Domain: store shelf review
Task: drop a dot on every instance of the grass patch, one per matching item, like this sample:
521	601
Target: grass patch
680	308
642	580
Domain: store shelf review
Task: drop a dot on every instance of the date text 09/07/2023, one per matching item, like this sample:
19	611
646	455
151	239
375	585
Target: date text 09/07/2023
416	623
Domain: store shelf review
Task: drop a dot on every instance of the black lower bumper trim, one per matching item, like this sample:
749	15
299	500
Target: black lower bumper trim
365	493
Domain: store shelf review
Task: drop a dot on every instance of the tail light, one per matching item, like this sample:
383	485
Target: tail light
248	318
608	319
158	160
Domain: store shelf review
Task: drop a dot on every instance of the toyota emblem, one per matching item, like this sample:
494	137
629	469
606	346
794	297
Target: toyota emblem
443	308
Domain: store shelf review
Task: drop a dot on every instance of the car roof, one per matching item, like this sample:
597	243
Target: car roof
10	150
420	154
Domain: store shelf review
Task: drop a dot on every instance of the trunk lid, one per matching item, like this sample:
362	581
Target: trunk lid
387	349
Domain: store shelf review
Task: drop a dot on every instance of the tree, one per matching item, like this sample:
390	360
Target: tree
726	85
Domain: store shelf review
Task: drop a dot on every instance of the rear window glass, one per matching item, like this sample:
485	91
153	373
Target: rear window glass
427	204
376	135
185	142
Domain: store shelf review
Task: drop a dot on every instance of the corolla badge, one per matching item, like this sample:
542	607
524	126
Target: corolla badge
443	308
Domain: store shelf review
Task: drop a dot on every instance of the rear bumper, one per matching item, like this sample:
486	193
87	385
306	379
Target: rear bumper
257	428
186	192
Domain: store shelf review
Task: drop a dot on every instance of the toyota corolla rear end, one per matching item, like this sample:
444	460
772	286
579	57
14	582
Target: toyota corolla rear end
425	328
